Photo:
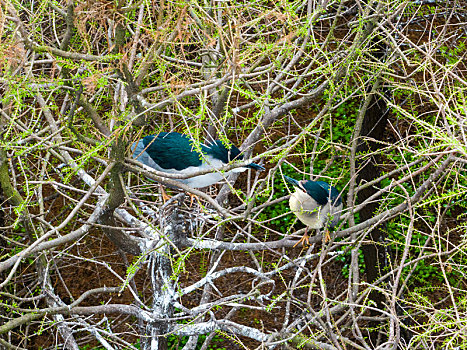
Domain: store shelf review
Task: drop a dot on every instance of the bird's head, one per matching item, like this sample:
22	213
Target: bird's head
227	154
320	191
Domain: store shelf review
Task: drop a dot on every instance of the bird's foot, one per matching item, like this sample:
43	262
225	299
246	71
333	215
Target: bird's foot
192	197
165	196
302	240
326	236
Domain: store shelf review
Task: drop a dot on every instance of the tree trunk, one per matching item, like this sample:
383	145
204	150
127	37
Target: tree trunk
373	127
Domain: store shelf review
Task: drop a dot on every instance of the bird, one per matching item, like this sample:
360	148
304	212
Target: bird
175	153
316	203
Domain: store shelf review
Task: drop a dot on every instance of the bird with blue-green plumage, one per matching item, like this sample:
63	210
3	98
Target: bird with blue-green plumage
175	153
316	203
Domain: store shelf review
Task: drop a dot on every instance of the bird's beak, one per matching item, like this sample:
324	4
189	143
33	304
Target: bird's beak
292	181
255	166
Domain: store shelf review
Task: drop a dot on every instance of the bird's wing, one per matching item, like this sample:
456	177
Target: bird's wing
333	193
317	191
172	151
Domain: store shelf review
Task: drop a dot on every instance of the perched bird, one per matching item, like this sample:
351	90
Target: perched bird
316	203
175	153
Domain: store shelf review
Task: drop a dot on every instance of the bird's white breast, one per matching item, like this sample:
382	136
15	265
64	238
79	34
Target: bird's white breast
202	180
311	213
209	163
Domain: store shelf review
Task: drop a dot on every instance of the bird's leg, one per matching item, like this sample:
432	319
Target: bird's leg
326	236
165	196
304	239
193	196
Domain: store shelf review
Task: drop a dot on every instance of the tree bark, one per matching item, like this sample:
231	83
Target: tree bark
375	253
